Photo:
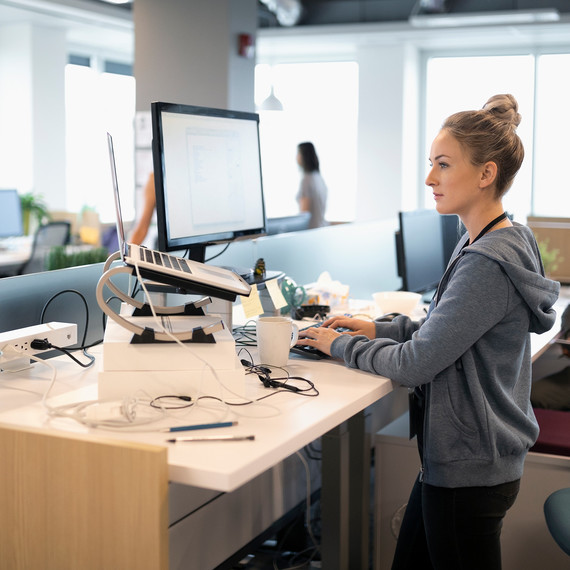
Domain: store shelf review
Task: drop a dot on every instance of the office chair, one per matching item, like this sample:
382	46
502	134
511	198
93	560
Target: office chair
557	515
46	237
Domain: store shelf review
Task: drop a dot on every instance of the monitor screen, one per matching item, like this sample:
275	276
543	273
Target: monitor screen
207	173
10	214
420	250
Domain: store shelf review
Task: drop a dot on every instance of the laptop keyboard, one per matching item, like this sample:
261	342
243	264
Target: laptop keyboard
164	260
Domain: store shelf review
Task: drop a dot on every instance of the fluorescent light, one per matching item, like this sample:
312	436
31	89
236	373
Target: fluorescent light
483	18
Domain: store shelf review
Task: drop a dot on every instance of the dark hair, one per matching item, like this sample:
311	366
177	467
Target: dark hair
308	156
489	135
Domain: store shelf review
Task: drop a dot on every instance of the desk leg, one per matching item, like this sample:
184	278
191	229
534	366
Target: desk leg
345	496
359	493
334	499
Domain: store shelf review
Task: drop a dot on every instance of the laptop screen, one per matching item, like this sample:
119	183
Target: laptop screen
120	227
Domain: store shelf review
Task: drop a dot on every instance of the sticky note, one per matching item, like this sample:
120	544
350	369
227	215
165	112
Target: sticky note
252	304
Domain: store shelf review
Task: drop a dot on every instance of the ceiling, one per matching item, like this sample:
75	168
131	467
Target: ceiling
98	23
90	22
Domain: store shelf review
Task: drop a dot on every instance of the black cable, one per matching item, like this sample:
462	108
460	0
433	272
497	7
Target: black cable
53	297
154	402
264	375
218	254
245	335
83	347
44	344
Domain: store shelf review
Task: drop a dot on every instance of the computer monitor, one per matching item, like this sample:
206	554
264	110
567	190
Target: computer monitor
452	230
285	224
10	214
424	243
207	175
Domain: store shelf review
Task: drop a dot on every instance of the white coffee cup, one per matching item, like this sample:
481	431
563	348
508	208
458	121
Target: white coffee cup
275	336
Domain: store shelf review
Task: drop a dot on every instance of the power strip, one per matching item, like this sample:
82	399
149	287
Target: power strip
17	344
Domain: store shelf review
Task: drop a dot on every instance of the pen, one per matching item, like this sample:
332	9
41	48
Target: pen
201	426
212	438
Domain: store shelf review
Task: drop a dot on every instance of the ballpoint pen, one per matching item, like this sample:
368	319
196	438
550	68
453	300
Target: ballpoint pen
201	426
212	438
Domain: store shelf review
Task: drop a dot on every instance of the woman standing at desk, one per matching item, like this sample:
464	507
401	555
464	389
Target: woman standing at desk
469	361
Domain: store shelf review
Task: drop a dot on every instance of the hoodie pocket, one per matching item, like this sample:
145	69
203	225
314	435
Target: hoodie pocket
453	432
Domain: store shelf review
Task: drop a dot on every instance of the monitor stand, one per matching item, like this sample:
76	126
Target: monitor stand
198	253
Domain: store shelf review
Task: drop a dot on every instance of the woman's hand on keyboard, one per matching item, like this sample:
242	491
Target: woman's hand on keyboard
322	337
351	326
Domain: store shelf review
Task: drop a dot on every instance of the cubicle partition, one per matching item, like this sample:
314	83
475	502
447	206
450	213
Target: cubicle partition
362	255
65	295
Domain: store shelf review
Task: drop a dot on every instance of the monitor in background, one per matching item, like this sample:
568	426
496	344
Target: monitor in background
452	230
10	214
286	224
207	173
424	243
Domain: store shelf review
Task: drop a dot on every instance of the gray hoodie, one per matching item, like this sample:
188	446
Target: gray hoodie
472	355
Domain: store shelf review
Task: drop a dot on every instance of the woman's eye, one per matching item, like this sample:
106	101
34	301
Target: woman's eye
443	164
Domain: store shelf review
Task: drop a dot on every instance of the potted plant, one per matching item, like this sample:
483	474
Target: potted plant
33	209
550	257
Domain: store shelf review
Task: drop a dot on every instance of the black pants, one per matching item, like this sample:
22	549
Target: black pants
453	529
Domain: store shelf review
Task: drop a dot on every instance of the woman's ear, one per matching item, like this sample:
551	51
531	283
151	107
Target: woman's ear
488	174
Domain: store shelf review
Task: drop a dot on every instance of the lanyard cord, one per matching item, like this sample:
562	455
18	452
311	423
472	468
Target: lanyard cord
490	225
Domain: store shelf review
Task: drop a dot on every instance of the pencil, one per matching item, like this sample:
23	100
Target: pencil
201	426
212	438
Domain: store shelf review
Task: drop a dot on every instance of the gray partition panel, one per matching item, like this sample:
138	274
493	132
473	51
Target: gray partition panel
23	298
361	255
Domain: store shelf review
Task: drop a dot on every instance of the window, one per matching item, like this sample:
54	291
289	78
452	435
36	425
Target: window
551	185
455	84
542	88
95	103
320	105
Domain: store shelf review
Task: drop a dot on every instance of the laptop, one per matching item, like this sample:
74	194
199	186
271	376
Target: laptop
185	275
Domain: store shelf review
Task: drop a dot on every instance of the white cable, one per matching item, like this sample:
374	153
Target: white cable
308	478
79	411
207	364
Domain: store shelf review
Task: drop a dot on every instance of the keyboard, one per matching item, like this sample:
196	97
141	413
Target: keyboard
311	351
164	260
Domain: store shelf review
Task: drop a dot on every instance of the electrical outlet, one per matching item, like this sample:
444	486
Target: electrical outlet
16	344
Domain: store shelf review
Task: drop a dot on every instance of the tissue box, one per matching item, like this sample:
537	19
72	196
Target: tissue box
327	292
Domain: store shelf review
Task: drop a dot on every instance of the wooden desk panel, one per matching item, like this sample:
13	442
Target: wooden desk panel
71	502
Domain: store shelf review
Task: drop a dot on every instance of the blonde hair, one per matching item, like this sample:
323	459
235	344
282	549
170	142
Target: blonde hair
489	135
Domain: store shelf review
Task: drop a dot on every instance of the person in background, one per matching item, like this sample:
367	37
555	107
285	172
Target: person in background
468	362
141	228
312	195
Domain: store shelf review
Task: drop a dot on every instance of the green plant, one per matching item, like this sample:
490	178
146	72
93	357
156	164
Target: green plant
33	208
59	258
550	257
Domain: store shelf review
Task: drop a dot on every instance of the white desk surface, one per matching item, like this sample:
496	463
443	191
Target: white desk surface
282	424
14	252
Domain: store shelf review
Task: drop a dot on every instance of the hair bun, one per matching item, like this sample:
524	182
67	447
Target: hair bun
505	108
